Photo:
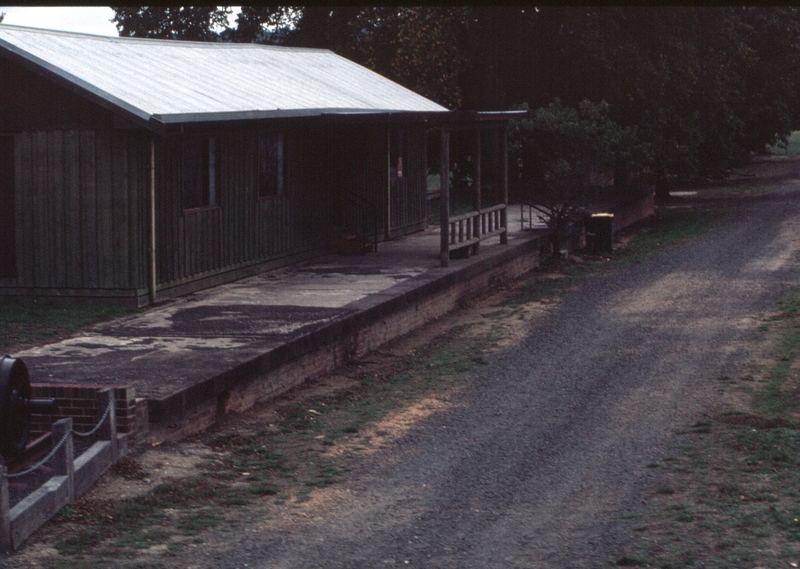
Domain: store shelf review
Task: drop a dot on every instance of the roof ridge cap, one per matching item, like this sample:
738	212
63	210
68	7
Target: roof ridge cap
170	41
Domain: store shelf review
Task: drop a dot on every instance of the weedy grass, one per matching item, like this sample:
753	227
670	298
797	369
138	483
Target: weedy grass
284	464
26	322
770	400
738	504
790	303
670	226
281	465
196	520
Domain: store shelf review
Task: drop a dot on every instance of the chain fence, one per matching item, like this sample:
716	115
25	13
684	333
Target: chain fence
61	443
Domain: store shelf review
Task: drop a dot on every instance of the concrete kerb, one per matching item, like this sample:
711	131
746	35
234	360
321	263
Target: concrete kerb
369	323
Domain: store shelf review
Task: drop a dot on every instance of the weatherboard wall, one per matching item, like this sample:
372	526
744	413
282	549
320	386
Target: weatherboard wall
360	160
79	188
240	230
81	176
408	194
79	207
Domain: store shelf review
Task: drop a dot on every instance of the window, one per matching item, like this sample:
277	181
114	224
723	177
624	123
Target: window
199	173
270	164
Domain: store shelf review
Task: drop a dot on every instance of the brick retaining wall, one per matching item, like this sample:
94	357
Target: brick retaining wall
290	365
320	352
80	403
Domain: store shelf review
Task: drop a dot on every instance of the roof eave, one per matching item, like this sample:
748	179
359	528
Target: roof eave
79	86
185	118
443	118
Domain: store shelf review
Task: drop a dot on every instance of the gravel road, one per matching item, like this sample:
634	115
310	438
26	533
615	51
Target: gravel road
542	453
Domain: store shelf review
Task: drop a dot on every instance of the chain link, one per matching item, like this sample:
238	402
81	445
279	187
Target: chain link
39	464
55	449
96	427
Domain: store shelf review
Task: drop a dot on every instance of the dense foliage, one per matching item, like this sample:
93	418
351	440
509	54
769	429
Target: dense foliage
171	22
704	86
560	152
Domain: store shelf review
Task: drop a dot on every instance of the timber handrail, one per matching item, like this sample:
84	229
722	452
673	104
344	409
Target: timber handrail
469	229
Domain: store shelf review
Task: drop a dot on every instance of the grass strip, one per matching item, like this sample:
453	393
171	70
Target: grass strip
28	322
735	486
285	463
279	465
669	227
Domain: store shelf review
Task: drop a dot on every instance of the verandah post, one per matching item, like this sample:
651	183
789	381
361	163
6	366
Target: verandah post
444	209
504	181
476	193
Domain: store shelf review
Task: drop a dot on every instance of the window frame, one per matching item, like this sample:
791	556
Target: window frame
267	139
199	173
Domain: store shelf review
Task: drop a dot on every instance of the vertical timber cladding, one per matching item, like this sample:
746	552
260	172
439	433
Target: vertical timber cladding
357	165
8	238
408	180
188	235
308	184
363	159
80	198
245	225
288	176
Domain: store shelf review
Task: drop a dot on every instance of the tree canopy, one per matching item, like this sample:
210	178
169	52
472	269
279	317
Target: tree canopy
198	23
560	152
704	86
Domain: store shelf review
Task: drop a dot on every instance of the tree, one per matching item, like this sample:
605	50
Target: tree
673	72
327	27
416	47
202	23
705	86
262	24
557	151
770	106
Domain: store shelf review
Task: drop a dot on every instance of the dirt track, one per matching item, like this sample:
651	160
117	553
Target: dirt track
533	464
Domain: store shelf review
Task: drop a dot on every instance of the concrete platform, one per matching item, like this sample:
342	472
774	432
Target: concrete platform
227	347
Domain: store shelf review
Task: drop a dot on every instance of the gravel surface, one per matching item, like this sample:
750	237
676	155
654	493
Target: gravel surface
538	458
536	461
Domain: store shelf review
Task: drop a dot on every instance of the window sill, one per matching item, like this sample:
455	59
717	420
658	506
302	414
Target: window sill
202	208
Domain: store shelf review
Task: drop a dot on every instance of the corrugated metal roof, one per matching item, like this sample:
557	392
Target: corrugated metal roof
180	81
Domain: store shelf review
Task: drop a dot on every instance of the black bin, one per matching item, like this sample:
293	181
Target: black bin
601	227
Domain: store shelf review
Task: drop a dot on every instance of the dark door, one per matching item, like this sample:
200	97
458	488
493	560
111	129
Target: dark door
8	237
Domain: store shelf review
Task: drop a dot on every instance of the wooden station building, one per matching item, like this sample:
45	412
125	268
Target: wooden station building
132	169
